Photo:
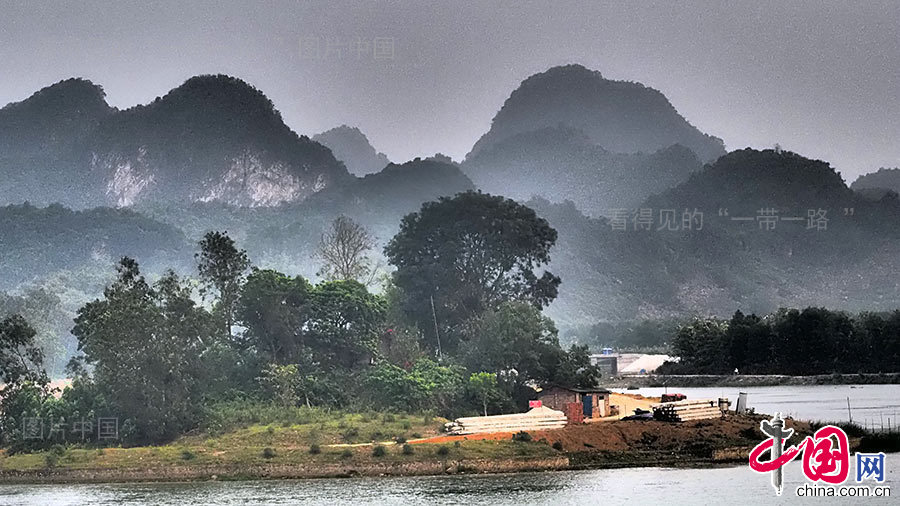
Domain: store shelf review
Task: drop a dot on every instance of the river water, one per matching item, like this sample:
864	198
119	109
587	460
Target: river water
732	485
870	405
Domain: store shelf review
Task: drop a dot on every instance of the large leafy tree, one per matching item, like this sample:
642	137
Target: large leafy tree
470	253
43	310
424	386
22	376
521	346
274	308
145	343
21	360
325	333
222	267
345	323
336	324
484	387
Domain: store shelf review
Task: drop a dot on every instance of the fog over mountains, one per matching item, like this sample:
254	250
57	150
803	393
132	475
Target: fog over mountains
352	147
655	219
623	117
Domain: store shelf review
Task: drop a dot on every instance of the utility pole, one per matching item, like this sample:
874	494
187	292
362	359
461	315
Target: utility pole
437	334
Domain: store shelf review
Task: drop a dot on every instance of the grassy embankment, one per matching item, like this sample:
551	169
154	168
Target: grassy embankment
312	442
317	443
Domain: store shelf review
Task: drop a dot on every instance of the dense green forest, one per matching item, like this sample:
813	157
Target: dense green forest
169	356
790	341
456	329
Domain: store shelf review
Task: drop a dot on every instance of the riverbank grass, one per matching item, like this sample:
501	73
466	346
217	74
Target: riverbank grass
316	437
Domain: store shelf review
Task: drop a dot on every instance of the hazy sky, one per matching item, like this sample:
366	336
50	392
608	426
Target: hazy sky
820	78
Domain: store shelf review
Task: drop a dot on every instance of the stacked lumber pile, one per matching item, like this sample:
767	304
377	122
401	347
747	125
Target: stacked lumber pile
686	410
536	419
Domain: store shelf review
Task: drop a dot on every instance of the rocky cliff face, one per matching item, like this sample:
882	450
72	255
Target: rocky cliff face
215	138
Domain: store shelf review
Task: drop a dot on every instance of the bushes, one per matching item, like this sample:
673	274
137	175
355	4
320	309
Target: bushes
408	449
314	449
880	442
268	453
427	386
443	451
243	411
51	458
350	434
379	451
558	446
522	436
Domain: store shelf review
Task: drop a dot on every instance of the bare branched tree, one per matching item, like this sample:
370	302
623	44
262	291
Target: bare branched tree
344	250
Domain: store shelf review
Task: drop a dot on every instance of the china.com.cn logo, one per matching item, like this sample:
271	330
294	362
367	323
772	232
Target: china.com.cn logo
826	456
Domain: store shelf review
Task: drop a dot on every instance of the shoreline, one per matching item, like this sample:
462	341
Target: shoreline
702	444
605	445
273	472
750	380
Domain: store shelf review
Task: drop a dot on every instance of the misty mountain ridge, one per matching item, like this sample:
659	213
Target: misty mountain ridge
44	143
353	148
852	263
214	138
53	120
620	116
570	134
751	179
879	184
560	163
38	242
214	154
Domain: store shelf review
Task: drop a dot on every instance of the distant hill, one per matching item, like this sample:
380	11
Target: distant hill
352	147
44	144
729	258
878	184
621	117
37	242
559	163
755	179
215	138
